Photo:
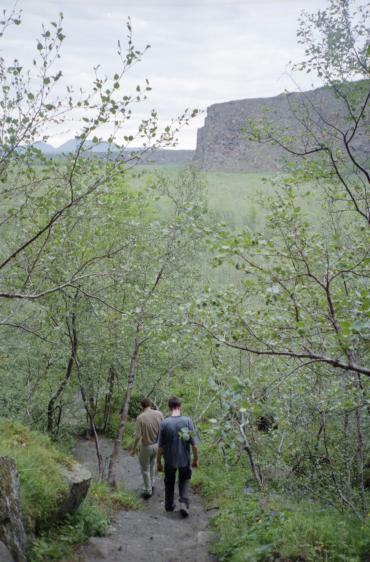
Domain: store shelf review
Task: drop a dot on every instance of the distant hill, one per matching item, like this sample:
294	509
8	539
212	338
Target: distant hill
161	156
45	147
71	145
221	144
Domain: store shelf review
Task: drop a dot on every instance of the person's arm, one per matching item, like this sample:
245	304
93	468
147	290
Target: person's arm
193	442
161	444
135	447
159	459
195	461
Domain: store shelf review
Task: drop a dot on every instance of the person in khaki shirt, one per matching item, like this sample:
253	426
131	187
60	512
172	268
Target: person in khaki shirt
147	429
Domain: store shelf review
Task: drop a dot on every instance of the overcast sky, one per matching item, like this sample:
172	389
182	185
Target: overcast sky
202	51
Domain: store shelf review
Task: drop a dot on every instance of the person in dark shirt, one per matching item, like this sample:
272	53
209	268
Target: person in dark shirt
177	439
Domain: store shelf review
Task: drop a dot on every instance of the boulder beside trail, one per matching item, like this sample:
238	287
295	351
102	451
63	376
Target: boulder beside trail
5	555
79	479
12	533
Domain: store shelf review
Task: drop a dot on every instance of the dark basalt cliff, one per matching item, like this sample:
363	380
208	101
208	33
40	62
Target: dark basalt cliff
221	144
12	533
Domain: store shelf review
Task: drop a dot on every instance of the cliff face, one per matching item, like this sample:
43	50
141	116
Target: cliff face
221	145
12	532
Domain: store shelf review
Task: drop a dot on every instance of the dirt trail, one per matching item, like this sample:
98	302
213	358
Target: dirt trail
150	534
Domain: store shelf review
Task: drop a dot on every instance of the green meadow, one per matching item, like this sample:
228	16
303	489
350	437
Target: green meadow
234	198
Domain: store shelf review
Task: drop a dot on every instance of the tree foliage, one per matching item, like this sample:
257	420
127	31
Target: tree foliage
300	302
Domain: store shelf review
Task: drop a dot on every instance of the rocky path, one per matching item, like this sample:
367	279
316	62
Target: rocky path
150	534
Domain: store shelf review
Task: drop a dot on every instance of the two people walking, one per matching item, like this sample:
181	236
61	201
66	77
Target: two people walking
176	441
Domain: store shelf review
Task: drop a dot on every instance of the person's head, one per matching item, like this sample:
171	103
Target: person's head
146	403
174	403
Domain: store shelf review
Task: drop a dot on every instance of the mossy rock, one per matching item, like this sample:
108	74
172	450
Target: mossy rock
12	532
52	484
5	555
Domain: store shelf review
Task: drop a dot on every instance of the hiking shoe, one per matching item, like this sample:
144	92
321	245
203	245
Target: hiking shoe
172	508
146	495
184	510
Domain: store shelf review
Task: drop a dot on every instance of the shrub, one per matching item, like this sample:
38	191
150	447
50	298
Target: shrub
112	426
253	526
58	543
91	519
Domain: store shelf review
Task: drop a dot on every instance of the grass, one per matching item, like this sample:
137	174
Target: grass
254	528
235	198
38	464
42	486
262	527
92	519
60	543
232	196
116	500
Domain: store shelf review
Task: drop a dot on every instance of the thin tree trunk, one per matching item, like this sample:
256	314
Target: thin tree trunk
343	498
124	411
92	410
67	376
93	431
255	470
360	457
130	383
108	400
346	453
360	451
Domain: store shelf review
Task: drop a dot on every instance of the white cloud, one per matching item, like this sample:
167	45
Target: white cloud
203	51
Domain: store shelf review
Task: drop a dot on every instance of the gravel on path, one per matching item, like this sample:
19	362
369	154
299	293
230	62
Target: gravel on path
150	534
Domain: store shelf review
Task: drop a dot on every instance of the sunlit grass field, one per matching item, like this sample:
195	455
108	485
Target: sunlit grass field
233	198
236	199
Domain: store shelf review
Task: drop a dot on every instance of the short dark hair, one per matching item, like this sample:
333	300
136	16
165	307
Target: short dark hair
146	402
174	403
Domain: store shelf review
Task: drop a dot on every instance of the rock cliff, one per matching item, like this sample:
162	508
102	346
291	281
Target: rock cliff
221	144
12	532
78	481
5	555
13	539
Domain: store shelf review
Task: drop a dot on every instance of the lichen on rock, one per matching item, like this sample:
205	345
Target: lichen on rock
12	532
79	479
5	555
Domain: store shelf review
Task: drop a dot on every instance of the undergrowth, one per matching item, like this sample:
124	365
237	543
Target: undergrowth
252	526
92	519
43	487
60	543
114	421
115	500
39	467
